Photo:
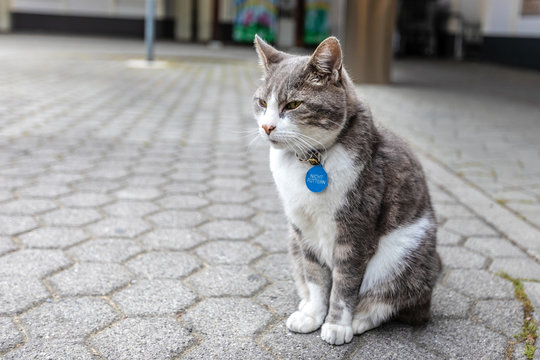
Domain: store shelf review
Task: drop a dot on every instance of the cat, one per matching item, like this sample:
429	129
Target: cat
364	246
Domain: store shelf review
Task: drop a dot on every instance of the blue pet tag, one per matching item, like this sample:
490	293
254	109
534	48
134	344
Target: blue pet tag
316	179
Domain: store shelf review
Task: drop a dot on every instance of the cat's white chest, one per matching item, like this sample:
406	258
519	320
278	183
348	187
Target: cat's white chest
314	213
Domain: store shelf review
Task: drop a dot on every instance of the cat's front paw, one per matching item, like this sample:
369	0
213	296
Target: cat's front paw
335	334
302	323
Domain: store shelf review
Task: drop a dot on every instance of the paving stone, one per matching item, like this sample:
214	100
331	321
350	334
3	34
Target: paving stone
172	239
460	339
51	349
469	227
130	208
90	279
185	188
177	219
18	293
33	262
70	217
517	268
9	335
105	250
183	202
494	247
288	346
228	196
274	240
52	237
519	352
480	284
271	221
229	183
138	193
107	173
12	225
165	265
228	252
223	280
119	227
453	211
229	230
228	348
276	267
390	341
445	237
532	289
59	178
500	315
71	318
459	258
281	297
27	206
6	245
446	302
229	212
87	199
189	176
96	185
267	204
145	181
213	318
154	298
43	191
5	195
134	339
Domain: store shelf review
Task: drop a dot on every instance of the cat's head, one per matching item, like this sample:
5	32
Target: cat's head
301	103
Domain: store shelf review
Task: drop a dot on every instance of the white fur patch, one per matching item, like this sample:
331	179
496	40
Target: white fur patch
377	314
311	312
314	213
393	248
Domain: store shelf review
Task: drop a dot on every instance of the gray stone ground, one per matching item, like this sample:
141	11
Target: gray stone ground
137	223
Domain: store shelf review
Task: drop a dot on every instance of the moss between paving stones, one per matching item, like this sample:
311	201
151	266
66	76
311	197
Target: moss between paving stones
529	330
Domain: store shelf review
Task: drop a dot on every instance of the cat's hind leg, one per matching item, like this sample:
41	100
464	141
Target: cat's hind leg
370	315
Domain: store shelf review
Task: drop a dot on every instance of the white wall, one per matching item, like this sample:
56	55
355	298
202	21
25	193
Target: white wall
503	18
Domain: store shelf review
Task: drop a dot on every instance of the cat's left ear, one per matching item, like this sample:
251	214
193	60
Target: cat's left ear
268	55
327	60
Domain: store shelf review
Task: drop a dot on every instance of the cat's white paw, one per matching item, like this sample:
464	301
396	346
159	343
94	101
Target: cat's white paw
360	326
302	323
335	334
302	304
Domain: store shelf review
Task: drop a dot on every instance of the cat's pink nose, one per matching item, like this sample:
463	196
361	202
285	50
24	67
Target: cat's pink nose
268	129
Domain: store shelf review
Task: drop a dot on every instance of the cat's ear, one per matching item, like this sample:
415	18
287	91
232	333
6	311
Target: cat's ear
327	60
268	55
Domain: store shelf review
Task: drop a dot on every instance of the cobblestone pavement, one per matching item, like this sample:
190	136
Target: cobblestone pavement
137	223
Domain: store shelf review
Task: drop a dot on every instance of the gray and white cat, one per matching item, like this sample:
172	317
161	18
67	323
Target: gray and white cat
364	248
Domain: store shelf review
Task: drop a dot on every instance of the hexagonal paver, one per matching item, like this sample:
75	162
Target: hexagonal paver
105	250
70	217
134	339
138	193
43	191
177	219
229	171
28	206
51	237
494	247
71	318
185	188
480	284
274	240
229	196
166	265
50	349
145	180
445	237
460	339
227	280
501	315
154	298
229	183
9	334
281	297
229	211
228	252
228	348
5	195
6	245
267	204
33	262
172	239
460	258
183	202
12	225
127	208
213	317
229	229
469	227
119	227
517	267
85	199
18	293
189	176
271	221
277	267
96	185
446	302
90	279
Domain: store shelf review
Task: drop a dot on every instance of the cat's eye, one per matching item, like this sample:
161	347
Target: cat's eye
293	105
262	103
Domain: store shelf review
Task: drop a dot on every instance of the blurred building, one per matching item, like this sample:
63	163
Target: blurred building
505	31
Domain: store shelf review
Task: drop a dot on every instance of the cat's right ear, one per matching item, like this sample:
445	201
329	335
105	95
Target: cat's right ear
268	55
